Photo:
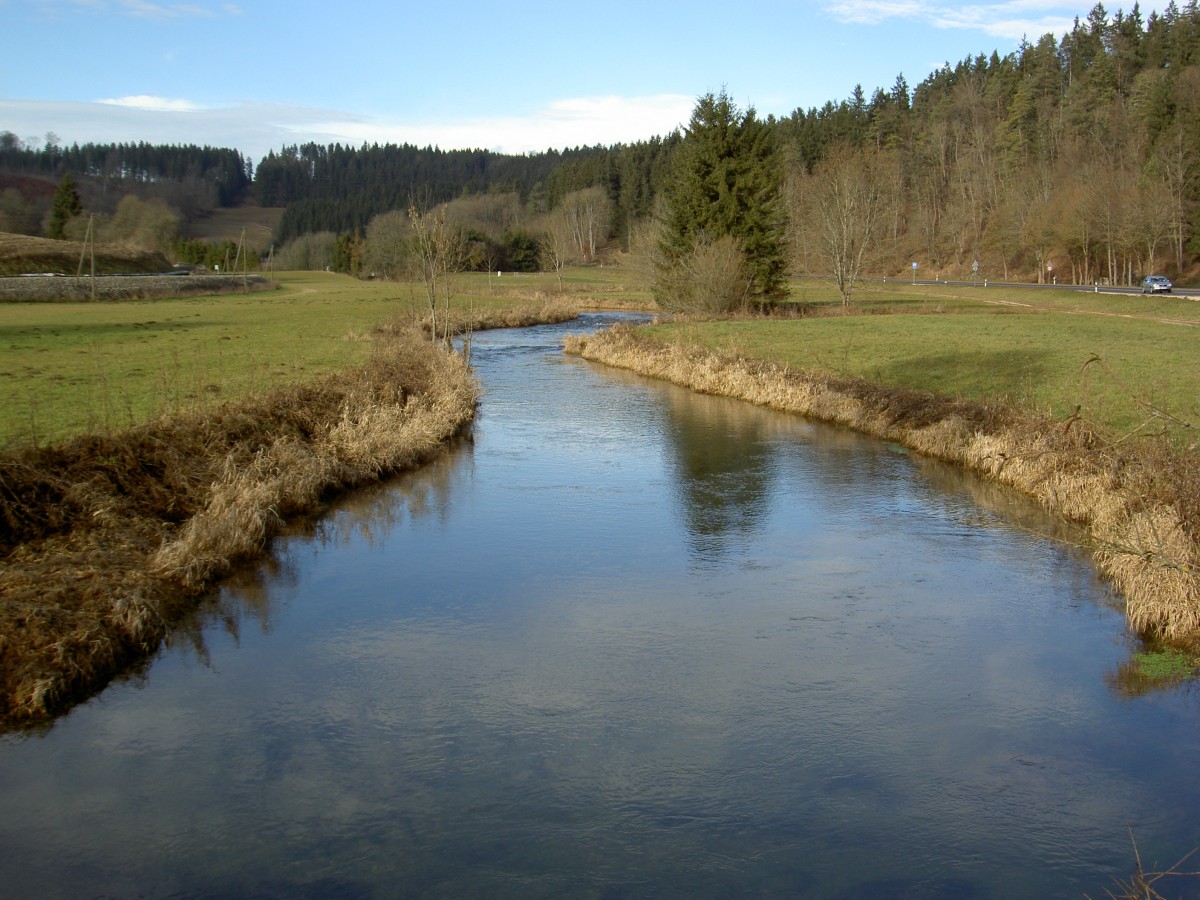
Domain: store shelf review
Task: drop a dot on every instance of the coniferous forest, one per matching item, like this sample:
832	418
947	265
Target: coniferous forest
1075	158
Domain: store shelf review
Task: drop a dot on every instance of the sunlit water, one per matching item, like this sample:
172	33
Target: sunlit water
630	642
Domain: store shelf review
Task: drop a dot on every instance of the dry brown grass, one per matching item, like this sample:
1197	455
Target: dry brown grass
1139	502
20	253
107	540
538	309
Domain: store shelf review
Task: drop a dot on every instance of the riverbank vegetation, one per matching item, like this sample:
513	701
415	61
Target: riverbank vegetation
997	167
109	537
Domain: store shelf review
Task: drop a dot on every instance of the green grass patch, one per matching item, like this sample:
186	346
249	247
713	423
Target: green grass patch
1028	347
1164	665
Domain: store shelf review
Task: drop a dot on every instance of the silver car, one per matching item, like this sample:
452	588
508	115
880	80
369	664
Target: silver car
1156	284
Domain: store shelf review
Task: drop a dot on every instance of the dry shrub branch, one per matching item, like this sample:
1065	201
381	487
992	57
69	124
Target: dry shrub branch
107	540
1139	503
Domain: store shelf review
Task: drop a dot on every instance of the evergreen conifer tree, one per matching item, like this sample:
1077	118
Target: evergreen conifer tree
727	183
66	206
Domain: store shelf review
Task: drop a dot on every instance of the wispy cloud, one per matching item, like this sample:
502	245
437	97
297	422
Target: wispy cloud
141	9
1009	20
150	102
146	10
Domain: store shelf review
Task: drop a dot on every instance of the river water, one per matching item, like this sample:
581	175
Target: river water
628	642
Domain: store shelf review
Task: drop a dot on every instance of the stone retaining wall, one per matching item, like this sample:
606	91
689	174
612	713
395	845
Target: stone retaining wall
68	289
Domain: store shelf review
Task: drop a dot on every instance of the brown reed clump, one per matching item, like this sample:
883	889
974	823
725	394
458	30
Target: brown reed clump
106	540
538	310
1141	505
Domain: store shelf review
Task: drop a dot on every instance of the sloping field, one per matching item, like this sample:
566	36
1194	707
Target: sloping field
227	224
123	287
21	254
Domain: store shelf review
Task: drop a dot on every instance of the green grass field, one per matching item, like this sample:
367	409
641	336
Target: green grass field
1029	347
67	368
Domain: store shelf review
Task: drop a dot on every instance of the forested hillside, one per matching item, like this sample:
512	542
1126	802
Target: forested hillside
1077	157
340	189
193	177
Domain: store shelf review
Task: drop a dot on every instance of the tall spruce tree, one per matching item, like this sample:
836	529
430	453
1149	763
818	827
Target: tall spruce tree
65	207
726	183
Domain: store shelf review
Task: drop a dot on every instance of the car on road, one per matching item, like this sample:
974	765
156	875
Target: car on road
1156	284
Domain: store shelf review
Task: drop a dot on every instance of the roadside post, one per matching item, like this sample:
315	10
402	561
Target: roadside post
914	272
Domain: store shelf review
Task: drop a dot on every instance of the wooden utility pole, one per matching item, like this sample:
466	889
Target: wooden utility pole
245	258
89	241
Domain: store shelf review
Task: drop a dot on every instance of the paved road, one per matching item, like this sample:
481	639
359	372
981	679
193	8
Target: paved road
1194	293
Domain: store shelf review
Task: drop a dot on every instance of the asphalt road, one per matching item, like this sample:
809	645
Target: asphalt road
1177	291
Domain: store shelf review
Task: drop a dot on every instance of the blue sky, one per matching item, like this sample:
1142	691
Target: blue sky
513	77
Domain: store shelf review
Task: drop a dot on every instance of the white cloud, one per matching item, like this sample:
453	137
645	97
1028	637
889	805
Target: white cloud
872	12
572	122
150	102
1010	20
256	128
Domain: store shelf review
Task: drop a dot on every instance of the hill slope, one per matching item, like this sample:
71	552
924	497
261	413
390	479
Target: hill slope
21	254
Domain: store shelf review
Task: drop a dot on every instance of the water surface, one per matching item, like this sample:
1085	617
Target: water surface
631	641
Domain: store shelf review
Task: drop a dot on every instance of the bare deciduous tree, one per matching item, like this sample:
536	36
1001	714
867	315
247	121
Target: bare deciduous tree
439	253
714	278
387	244
844	211
589	213
556	246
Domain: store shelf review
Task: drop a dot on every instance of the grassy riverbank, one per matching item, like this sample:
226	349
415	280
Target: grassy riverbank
108	538
1121	359
167	440
1087	412
151	445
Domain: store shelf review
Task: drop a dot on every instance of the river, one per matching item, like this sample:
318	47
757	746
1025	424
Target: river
629	641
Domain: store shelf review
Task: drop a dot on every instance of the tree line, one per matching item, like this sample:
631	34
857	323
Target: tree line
340	189
1073	158
125	165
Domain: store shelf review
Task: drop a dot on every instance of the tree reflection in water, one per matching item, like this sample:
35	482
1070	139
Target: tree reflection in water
723	466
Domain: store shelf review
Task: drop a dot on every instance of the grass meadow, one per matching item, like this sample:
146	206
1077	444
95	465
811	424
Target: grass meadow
73	368
1118	358
67	369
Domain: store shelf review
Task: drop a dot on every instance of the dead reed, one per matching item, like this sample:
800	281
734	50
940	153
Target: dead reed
1139	501
538	309
107	540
